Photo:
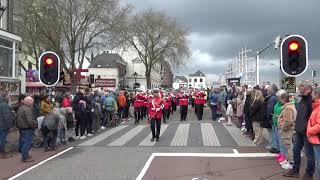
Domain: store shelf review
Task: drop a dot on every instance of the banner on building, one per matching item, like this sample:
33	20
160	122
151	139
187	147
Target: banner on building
32	76
105	82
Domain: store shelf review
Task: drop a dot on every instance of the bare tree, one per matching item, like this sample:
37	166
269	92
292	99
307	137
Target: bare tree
73	27
155	37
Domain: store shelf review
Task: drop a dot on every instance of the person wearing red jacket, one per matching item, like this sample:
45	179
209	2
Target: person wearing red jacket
137	104
166	109
183	107
313	130
155	115
66	102
200	101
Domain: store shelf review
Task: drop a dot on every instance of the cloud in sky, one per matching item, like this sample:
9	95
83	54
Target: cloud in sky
219	29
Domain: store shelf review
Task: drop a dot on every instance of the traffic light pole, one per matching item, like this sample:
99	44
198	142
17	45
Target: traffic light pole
258	62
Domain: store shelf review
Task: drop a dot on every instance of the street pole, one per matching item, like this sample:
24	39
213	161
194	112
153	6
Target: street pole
258	69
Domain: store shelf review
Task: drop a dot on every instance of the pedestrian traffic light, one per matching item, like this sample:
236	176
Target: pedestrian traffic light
49	68
294	55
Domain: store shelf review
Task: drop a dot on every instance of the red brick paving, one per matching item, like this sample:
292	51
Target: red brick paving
213	168
12	166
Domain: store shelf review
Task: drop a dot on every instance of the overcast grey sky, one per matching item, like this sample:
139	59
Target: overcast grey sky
219	29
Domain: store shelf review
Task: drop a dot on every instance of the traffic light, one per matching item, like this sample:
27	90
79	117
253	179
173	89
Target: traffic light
294	55
49	68
314	74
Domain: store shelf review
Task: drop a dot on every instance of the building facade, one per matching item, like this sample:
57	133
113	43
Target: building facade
197	80
180	82
107	71
136	75
9	51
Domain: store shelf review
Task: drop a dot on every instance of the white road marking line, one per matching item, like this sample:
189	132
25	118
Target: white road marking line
181	136
216	154
147	142
153	155
39	164
127	136
145	168
102	136
237	135
209	137
235	151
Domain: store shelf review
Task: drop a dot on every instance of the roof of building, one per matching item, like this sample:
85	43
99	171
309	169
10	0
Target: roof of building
107	60
198	73
182	78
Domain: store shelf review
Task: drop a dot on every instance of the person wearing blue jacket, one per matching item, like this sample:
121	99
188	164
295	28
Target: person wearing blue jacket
214	101
5	123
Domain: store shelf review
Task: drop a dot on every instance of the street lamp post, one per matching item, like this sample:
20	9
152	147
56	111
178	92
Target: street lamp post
276	41
135	74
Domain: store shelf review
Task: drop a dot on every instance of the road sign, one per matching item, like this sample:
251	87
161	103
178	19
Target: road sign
290	84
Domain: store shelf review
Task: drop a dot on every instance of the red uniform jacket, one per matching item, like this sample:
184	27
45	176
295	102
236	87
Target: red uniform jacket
183	102
200	100
167	103
155	109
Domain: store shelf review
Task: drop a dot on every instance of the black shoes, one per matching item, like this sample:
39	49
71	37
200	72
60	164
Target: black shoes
274	151
157	139
152	139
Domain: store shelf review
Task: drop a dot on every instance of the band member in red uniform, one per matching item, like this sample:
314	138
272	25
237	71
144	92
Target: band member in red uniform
174	102
166	109
155	115
200	104
137	104
183	107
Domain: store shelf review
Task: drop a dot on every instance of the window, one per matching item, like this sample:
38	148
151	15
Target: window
195	80
201	80
5	62
190	81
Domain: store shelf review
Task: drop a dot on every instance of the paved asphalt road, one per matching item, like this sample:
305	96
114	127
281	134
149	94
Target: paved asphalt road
121	153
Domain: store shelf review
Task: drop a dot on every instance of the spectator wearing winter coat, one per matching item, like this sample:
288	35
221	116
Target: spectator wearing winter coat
66	102
229	113
5	122
49	129
276	113
214	102
271	101
79	108
45	107
26	124
304	110
62	126
286	123
313	130
122	103
110	107
257	115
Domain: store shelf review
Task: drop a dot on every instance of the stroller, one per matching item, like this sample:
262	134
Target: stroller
37	141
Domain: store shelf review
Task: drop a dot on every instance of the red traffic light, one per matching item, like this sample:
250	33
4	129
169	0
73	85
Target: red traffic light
49	61
293	46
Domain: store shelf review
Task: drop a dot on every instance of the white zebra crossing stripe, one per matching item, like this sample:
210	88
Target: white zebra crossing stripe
237	135
147	142
102	136
128	136
209	137
181	136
